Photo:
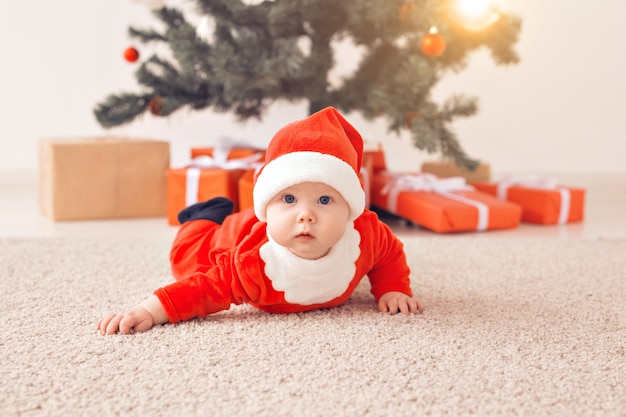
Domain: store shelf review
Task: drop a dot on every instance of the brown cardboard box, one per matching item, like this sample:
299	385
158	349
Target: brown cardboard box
444	169
102	177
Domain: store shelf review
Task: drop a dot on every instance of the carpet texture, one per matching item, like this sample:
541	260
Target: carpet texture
512	327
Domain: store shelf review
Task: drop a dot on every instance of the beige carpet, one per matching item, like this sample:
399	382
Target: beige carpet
513	327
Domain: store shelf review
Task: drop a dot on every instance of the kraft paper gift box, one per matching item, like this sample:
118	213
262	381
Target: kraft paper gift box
542	200
447	169
102	177
442	204
208	177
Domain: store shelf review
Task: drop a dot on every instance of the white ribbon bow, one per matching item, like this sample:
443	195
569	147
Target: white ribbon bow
442	186
536	182
218	160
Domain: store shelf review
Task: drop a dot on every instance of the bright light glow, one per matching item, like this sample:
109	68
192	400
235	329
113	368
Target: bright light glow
476	14
473	9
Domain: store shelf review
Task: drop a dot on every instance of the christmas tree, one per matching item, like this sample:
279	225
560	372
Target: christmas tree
243	57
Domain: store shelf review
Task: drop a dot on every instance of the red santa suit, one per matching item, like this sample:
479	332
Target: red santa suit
237	262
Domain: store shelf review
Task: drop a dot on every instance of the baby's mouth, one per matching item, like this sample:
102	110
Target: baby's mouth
304	236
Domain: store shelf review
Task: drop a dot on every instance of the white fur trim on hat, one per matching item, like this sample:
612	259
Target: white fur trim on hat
297	167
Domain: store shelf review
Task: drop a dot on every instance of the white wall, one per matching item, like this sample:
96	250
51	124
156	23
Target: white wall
560	110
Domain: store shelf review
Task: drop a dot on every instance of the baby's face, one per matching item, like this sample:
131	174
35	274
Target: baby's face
307	218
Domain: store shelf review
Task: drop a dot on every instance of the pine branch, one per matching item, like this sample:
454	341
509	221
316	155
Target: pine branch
451	149
430	131
120	109
458	105
284	50
236	13
431	134
158	75
146	36
500	38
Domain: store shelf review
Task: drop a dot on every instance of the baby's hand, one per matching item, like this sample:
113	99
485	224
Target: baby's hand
394	302
137	319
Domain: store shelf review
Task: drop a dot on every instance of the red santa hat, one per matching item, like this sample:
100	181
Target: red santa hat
324	148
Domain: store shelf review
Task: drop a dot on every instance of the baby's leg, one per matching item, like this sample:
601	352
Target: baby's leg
215	209
196	237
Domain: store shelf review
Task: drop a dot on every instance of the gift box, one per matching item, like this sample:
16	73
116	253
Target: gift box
543	201
102	177
212	173
442	204
245	186
446	169
374	151
365	175
231	153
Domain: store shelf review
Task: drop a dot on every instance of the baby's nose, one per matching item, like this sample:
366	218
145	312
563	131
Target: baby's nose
306	216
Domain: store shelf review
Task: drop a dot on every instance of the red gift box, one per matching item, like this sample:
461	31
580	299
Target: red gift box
442	205
245	186
374	151
231	153
542	200
365	175
214	173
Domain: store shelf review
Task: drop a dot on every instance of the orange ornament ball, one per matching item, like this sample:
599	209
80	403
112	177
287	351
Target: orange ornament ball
433	45
131	54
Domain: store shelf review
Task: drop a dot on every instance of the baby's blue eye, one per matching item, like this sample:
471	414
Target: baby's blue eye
289	198
324	199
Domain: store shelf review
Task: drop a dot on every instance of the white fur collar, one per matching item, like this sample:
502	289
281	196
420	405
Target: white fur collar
306	281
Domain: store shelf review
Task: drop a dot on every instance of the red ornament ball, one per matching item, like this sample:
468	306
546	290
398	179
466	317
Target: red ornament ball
433	45
131	54
155	105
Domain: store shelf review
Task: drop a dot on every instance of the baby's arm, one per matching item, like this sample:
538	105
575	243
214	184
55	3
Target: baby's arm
394	302
138	319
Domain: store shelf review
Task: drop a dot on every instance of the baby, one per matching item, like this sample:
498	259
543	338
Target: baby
306	244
